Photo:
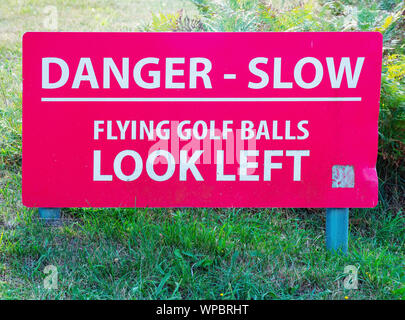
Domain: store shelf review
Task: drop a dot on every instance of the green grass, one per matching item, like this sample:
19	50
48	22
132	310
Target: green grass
171	253
197	253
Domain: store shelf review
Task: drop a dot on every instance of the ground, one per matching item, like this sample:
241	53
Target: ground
169	253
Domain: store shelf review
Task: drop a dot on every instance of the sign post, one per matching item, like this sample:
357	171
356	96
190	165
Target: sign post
337	229
202	120
49	214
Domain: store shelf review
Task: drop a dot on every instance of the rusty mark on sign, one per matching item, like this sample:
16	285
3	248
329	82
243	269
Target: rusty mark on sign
342	176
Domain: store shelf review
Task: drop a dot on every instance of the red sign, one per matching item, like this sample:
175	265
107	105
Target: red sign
200	119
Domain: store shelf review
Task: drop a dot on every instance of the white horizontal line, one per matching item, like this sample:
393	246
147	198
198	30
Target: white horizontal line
229	76
281	99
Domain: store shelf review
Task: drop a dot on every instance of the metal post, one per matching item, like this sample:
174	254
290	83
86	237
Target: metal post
49	214
337	229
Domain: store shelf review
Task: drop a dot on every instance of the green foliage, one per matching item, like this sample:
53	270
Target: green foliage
172	22
391	164
161	22
200	254
10	110
228	16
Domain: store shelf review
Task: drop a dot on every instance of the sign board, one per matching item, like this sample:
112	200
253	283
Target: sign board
201	119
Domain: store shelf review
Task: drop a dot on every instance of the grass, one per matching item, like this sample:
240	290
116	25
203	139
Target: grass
197	253
171	253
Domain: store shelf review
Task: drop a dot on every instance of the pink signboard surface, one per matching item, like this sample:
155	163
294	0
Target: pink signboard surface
200	119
